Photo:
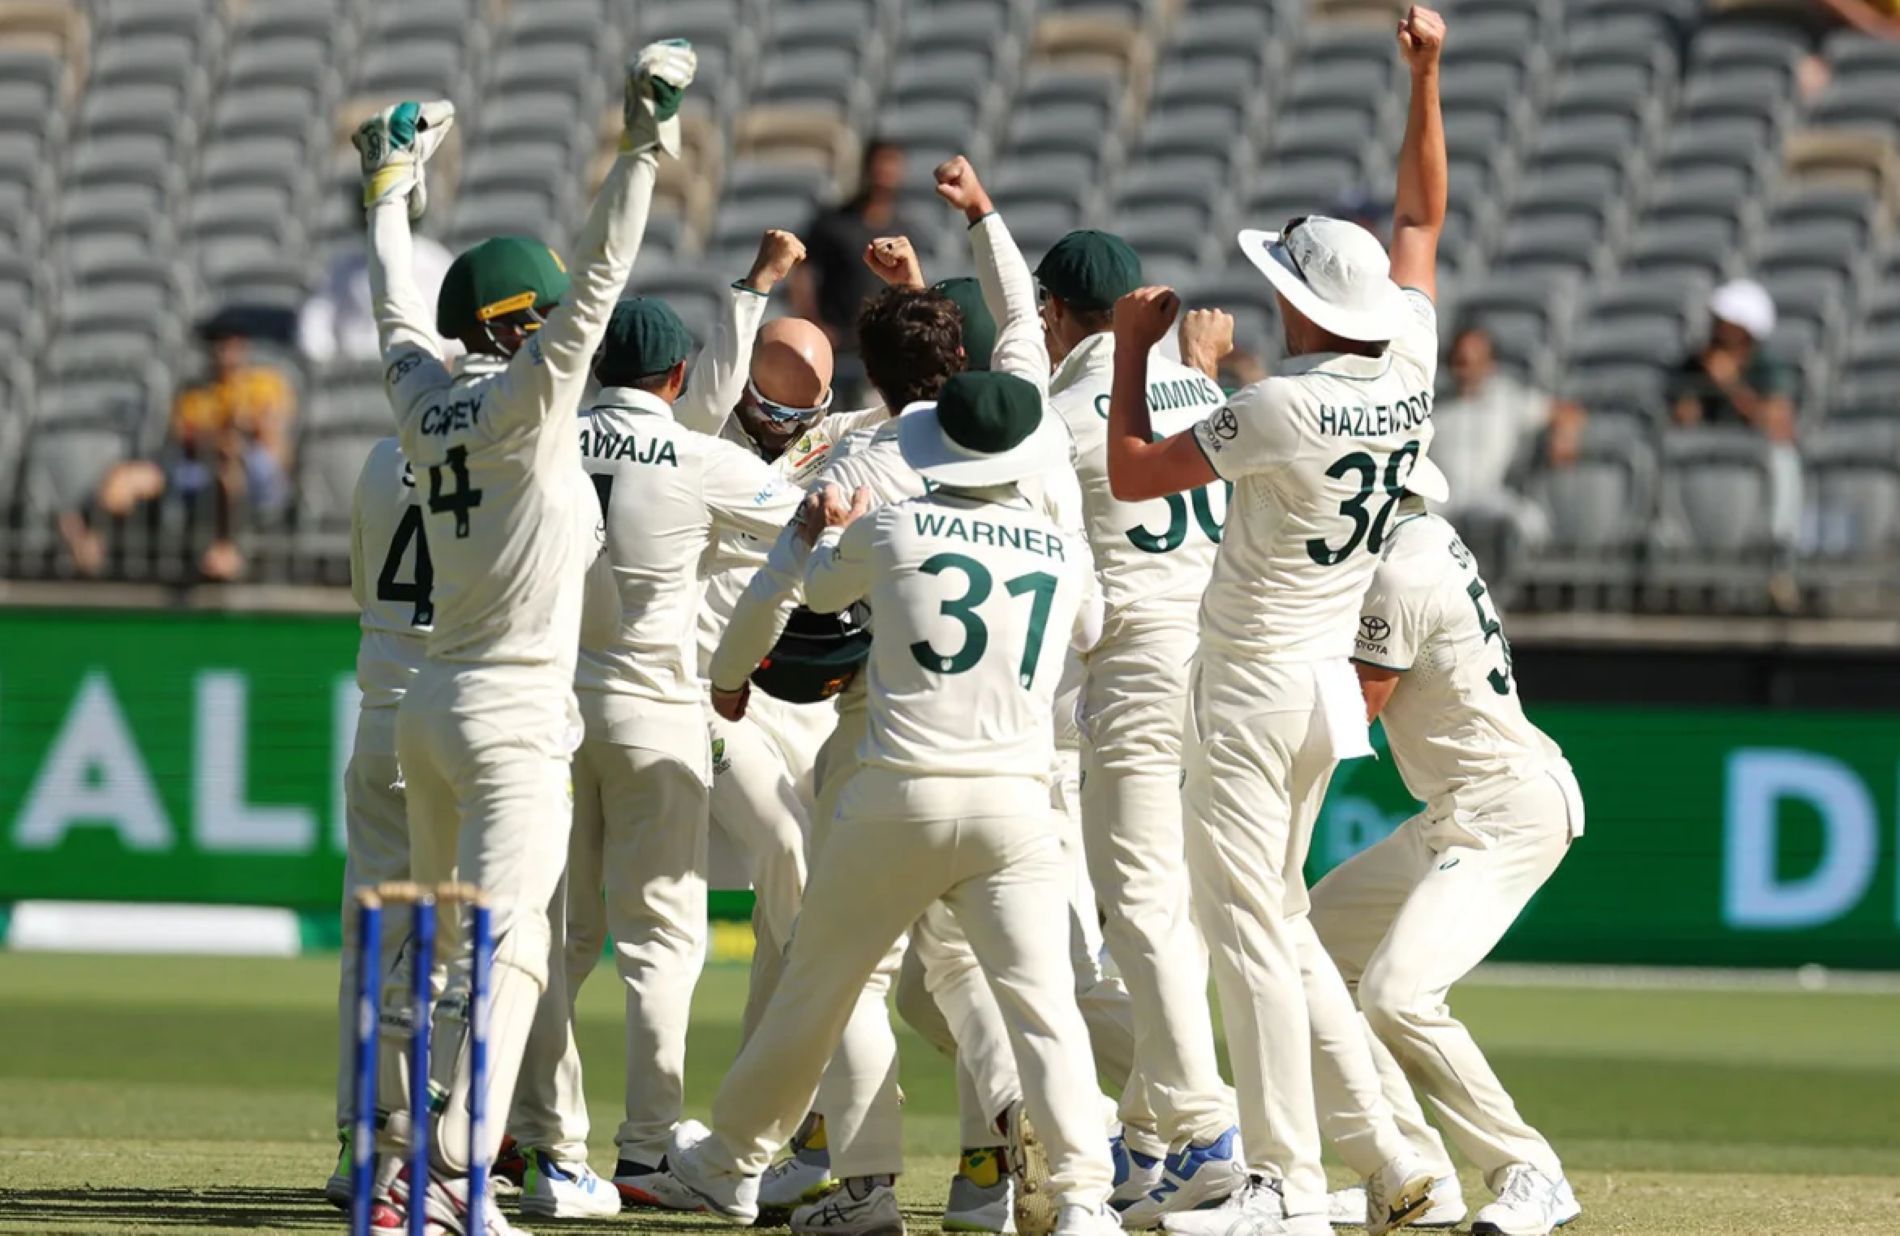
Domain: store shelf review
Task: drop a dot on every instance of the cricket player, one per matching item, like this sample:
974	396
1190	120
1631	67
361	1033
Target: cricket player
643	774
485	732
1154	559
951	798
1413	914
1320	456
390	580
911	343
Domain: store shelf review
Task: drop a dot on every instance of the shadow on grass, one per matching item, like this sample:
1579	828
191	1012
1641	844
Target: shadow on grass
86	1209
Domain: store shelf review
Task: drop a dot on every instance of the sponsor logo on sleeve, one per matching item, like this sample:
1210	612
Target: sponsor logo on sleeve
402	367
1225	425
1373	632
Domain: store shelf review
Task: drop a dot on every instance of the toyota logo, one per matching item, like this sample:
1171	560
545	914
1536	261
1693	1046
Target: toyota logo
1372	627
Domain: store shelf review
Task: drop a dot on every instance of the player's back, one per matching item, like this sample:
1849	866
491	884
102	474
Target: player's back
664	490
391	575
509	516
973	603
1154	557
1319	456
1455	721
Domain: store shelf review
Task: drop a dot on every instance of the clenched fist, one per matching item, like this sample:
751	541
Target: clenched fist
779	251
1421	37
1143	317
894	260
957	184
1207	336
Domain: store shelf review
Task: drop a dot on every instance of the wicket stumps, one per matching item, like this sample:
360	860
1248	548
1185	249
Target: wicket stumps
422	902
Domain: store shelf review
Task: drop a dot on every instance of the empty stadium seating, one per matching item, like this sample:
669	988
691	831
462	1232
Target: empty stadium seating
1612	160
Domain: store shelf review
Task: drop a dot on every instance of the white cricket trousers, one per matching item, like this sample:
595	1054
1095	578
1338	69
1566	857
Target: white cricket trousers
484	753
1410	916
1258	761
987	848
640	819
376	849
987	1080
1134	703
550	1110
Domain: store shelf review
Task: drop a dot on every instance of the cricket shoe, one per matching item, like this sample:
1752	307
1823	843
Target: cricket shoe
860	1206
557	1190
510	1171
1035	1199
728	1195
980	1194
1529	1203
802	1176
1257	1208
337	1189
1199	1175
1087	1221
1399	1192
445	1203
1347	1207
1136	1174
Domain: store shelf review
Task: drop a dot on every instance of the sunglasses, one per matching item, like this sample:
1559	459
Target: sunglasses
785	413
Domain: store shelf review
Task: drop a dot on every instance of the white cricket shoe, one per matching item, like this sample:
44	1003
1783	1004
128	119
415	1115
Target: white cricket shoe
804	1176
1136	1174
1529	1204
556	1190
1257	1209
861	1206
1347	1207
728	1195
976	1207
446	1203
1034	1199
1199	1175
1084	1221
1399	1192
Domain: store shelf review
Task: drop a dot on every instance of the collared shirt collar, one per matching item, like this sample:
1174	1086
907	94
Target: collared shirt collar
633	399
1348	365
1092	355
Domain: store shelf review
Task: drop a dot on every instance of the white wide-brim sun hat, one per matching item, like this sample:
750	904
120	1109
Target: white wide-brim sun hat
1335	273
999	443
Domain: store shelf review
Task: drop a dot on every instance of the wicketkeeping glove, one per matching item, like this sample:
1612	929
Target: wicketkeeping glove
656	79
394	145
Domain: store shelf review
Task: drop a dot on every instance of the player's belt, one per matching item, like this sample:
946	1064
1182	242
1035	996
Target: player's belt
817	656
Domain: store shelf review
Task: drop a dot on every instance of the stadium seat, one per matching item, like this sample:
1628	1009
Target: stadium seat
1715	485
1598	508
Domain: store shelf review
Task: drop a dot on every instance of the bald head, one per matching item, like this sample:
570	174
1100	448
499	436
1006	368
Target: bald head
791	362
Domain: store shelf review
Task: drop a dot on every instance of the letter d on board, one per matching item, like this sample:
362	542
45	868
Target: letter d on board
1754	894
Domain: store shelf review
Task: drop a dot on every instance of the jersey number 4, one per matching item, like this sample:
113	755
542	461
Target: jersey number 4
389	588
458	501
976	634
1366	526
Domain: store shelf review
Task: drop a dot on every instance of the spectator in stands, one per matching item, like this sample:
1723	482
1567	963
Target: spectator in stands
1489	430
336	322
1734	380
832	284
230	437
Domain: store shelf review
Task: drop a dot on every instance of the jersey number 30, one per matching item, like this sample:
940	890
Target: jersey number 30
976	635
388	588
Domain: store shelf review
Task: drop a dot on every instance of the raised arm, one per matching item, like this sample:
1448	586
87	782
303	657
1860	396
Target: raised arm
1009	290
1418	207
758	619
839	571
719	375
1140	468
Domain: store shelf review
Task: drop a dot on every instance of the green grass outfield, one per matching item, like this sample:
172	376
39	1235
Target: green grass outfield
194	1095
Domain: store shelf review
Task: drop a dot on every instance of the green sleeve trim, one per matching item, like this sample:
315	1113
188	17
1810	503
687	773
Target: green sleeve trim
741	285
1390	669
990	215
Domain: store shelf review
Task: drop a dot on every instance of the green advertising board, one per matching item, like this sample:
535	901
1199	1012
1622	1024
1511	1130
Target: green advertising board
198	757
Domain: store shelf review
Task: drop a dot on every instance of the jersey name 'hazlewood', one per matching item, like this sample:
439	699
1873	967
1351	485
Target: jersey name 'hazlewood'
1377	420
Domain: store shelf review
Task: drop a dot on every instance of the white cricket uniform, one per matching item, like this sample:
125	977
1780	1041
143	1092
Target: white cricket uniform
487	730
973	598
1318	456
859	1096
1413	914
1153	559
643	773
389	580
